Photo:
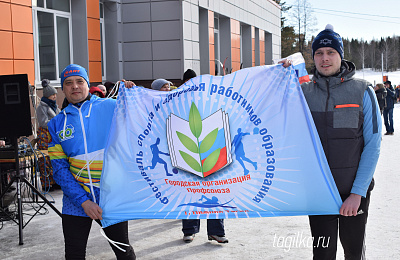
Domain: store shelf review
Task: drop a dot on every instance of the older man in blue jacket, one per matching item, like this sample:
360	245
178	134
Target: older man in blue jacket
79	135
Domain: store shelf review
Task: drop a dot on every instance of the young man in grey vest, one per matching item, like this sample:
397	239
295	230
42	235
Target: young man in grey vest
347	117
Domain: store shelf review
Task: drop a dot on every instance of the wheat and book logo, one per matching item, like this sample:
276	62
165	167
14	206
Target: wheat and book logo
200	146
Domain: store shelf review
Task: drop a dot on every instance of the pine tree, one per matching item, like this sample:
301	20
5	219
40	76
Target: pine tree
288	35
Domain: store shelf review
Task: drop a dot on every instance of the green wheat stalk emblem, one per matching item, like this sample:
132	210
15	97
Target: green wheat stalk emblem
195	124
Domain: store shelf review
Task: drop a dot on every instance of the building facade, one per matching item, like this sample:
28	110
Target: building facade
140	40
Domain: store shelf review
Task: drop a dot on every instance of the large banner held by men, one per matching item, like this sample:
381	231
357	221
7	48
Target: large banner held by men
238	146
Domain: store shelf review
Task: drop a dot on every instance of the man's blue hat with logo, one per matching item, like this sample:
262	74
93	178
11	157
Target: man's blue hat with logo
328	38
74	70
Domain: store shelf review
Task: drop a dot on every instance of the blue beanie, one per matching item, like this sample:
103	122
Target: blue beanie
74	70
328	38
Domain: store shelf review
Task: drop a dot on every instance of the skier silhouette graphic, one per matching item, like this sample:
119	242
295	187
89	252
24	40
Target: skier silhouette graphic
237	145
213	200
156	158
208	203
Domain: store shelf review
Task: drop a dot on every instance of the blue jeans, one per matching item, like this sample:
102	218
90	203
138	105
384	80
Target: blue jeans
214	226
388	118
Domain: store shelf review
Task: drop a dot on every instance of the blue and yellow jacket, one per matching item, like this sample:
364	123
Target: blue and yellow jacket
79	135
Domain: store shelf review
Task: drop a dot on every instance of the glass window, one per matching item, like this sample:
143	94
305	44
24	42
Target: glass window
63	43
101	11
101	46
218	64
60	5
102	42
53	46
39	3
46	46
241	45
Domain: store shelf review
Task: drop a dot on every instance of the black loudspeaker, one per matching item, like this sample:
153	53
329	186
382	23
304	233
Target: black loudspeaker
15	114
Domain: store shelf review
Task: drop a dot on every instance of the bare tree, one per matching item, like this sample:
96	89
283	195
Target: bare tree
388	53
303	19
394	56
361	52
371	54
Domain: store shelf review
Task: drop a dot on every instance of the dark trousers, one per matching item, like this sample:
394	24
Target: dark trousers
324	230
214	226
76	232
388	119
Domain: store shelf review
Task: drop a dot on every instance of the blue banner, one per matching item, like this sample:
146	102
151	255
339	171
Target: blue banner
238	146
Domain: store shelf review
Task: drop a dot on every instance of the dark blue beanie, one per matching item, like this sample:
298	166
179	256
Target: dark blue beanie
74	70
328	38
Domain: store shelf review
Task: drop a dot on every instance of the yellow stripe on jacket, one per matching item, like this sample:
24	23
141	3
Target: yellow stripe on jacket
79	170
56	152
78	167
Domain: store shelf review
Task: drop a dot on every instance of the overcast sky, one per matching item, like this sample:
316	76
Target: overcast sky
365	19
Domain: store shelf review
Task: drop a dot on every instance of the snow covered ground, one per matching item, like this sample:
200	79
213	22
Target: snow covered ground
375	77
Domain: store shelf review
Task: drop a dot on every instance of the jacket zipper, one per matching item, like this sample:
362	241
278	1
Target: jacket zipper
326	119
86	152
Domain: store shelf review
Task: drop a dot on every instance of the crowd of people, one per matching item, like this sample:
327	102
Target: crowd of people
346	112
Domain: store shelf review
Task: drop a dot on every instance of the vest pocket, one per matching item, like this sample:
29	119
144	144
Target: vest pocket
345	117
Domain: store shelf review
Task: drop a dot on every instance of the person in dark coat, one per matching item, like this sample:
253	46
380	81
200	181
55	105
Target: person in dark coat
381	93
46	110
388	111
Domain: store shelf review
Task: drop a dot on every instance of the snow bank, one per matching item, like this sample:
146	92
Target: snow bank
376	76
